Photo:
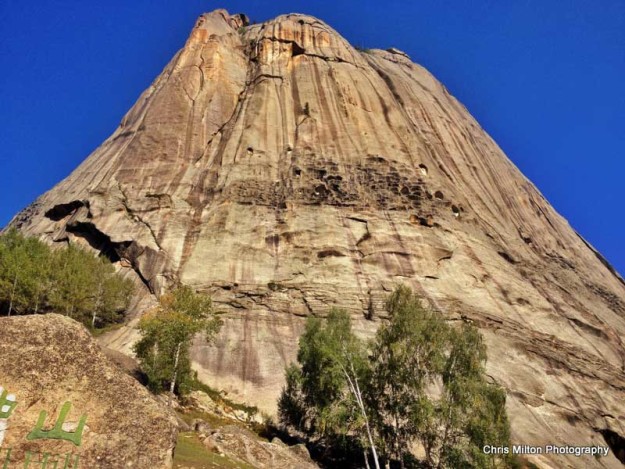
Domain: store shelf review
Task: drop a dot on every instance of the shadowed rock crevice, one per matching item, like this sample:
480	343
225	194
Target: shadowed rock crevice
616	443
60	211
101	242
296	49
329	253
507	257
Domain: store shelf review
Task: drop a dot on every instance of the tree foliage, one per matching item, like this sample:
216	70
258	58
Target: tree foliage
407	353
36	279
429	386
166	335
324	396
422	382
471	411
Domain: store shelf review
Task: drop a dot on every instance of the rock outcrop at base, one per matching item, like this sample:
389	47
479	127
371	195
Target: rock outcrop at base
244	446
284	172
72	405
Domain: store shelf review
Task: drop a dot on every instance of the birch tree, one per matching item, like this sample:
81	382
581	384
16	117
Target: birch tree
419	381
111	295
324	395
167	333
23	262
69	280
407	356
429	385
471	411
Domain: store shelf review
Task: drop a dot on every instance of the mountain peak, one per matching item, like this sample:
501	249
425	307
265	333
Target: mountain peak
284	172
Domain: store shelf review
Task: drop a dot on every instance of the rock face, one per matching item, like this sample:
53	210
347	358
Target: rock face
49	361
284	172
245	447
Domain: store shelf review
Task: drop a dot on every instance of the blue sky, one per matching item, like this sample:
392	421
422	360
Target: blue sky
544	77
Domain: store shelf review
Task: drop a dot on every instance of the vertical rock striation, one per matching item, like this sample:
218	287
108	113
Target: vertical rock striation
282	171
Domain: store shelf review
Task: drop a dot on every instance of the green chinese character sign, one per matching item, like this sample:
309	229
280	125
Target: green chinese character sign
7	403
43	460
50	461
57	432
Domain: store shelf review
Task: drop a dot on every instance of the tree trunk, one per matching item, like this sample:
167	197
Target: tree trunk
172	385
375	454
364	453
398	448
447	421
154	357
12	294
355	389
97	305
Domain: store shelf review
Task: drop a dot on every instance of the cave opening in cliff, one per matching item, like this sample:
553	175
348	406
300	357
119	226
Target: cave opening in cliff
426	221
296	50
99	241
60	211
616	443
320	173
321	190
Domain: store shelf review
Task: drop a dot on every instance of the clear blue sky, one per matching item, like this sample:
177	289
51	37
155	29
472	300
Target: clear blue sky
545	78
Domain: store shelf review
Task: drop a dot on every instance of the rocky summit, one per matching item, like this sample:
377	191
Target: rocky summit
64	404
283	171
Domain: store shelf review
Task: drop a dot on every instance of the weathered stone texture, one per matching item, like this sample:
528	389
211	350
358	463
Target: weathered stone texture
49	360
284	172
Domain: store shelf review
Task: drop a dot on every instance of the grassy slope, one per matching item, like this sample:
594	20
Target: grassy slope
192	454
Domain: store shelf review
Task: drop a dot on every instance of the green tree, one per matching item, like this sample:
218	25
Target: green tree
471	412
167	333
24	264
428	384
75	285
324	396
70	280
112	294
9	272
407	354
419	381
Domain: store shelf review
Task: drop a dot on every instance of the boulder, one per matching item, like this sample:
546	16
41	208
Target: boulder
72	404
242	445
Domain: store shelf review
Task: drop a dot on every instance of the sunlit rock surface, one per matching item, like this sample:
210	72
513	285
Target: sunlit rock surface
284	172
50	362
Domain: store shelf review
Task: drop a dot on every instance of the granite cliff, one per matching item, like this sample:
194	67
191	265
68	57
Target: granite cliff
283	171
